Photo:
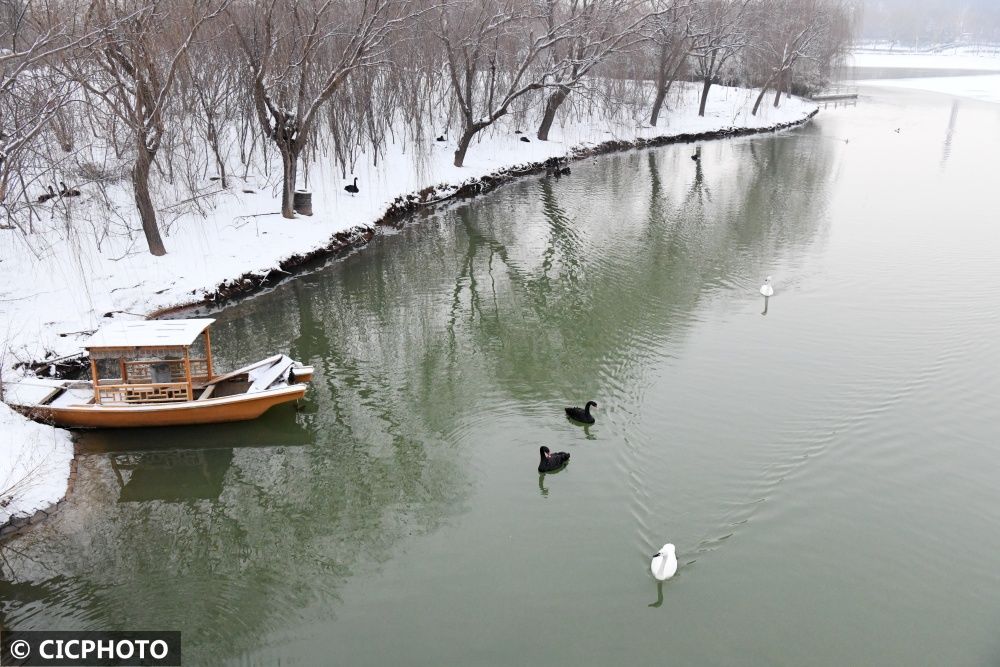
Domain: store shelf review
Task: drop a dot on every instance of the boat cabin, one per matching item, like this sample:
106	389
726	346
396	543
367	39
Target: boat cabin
150	361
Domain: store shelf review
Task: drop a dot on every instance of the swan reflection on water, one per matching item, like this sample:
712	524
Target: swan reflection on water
659	596
764	312
541	480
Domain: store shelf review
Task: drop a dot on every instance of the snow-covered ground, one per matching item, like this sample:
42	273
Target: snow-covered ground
34	465
984	87
85	260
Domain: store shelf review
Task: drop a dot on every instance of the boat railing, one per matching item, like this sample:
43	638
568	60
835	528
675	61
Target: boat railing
160	392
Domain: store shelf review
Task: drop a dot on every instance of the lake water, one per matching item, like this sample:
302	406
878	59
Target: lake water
827	463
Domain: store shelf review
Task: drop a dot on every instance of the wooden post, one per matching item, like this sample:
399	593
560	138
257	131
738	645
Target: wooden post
95	380
123	370
208	355
187	372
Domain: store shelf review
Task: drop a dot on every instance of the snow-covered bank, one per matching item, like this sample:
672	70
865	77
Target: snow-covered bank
85	261
34	465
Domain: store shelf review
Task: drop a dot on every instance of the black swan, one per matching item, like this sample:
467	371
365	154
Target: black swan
66	192
353	189
582	414
44	198
525	140
441	138
551	461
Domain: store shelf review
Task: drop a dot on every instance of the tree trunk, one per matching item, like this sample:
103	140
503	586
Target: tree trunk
4	175
661	86
551	106
784	81
213	139
760	98
463	145
140	185
763	91
288	165
704	95
661	94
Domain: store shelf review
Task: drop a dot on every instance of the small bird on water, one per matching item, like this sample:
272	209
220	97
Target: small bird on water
582	414
766	288
664	563
551	461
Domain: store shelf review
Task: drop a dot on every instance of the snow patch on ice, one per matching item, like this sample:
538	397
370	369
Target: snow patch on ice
984	85
985	88
949	58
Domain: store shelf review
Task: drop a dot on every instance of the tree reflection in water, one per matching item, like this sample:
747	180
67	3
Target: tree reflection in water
538	293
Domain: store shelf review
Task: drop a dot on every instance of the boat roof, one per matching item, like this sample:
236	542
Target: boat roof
148	333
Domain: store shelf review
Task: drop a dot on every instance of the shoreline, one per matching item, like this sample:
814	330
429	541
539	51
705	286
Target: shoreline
345	241
252	283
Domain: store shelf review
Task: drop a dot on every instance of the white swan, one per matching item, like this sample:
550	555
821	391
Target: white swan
766	288
664	564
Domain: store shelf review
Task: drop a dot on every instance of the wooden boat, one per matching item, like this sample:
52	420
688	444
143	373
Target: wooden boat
158	373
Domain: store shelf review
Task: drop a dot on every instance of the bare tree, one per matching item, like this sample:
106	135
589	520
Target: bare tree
299	54
671	35
30	92
494	58
793	31
213	91
719	34
595	30
132	76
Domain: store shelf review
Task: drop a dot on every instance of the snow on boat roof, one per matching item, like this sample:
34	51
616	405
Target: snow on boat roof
148	333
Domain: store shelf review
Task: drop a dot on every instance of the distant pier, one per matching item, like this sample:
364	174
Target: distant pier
832	97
